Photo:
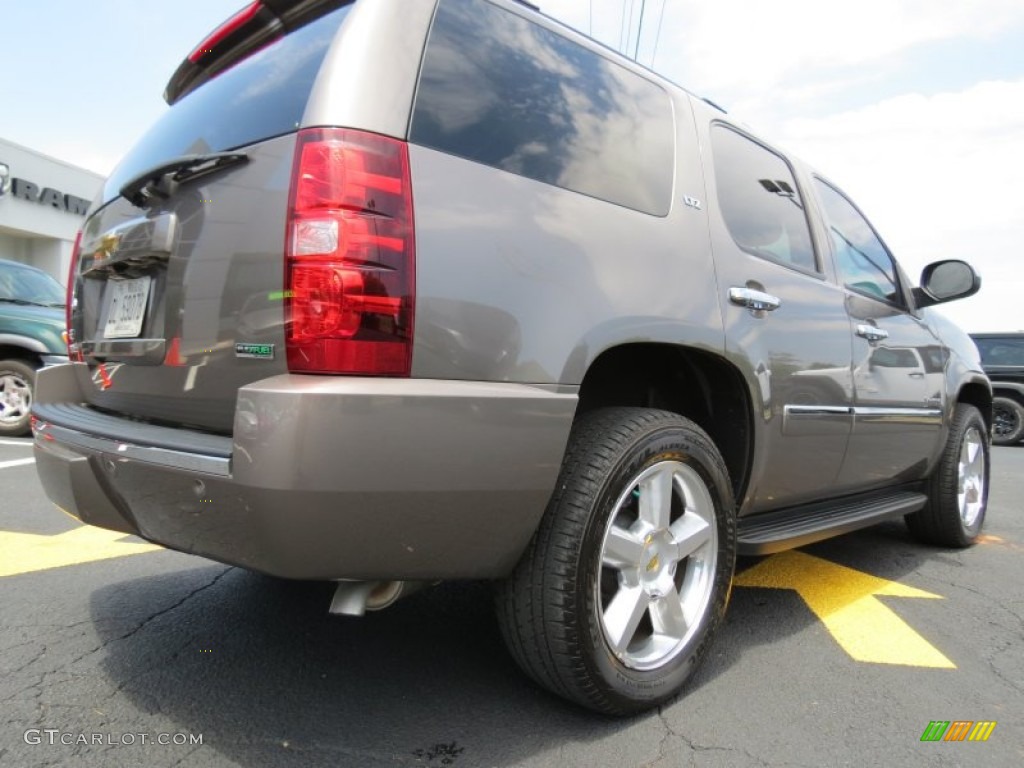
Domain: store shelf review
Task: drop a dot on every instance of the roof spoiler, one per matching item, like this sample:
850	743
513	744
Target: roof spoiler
250	29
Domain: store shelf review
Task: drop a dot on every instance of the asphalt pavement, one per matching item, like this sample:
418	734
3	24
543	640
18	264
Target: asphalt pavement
153	658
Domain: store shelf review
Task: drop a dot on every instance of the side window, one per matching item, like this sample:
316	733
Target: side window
863	262
760	201
503	91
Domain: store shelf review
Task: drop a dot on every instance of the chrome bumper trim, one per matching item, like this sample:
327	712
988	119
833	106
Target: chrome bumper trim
116	449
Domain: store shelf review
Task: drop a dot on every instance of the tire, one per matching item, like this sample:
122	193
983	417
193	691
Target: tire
17	385
1007	421
580	610
958	487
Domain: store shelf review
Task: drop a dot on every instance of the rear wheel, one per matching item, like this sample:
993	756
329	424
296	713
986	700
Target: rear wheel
17	382
1007	421
958	487
615	601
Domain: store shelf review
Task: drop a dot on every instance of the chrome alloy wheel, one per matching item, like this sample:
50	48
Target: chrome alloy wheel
657	566
971	477
15	398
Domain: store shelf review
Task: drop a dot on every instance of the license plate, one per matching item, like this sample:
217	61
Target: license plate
126	307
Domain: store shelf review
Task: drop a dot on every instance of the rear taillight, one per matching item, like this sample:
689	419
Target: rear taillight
69	297
350	255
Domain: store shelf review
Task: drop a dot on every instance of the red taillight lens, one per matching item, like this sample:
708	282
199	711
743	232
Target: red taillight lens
350	255
225	30
69	297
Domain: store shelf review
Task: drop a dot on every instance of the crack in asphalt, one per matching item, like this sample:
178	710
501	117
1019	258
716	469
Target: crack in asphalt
44	677
696	748
991	661
991	598
177	605
36	657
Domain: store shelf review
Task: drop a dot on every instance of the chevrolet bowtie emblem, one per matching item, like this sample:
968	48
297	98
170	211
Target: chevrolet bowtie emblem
653	565
106	247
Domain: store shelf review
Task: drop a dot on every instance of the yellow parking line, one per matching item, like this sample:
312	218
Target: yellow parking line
28	552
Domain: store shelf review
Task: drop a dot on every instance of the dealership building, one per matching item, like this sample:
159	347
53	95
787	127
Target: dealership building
42	206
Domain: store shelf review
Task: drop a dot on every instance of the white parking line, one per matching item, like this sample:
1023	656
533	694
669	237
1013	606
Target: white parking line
16	463
26	443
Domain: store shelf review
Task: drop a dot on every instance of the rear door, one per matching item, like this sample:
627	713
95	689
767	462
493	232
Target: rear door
178	296
786	323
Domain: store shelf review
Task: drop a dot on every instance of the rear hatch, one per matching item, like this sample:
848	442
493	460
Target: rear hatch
182	290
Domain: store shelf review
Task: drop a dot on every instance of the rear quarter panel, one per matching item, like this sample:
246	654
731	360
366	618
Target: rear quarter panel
522	281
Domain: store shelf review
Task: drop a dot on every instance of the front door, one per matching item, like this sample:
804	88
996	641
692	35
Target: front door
898	362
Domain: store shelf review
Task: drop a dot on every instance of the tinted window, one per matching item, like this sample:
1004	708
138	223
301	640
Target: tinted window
1001	351
862	260
503	91
262	96
759	200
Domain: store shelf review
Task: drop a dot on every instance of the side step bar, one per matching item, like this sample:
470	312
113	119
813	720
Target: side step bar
773	532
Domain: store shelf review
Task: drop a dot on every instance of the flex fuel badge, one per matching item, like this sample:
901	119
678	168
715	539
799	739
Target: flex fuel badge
255	351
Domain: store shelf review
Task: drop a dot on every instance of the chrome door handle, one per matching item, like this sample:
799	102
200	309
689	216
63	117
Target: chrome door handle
871	333
754	300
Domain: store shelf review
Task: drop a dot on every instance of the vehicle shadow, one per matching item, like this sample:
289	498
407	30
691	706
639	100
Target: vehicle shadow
760	617
259	667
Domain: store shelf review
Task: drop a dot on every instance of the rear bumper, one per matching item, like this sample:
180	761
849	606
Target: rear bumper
324	478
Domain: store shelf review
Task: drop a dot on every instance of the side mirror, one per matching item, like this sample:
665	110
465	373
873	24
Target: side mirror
943	281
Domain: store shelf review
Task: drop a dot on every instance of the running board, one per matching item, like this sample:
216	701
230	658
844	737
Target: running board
772	532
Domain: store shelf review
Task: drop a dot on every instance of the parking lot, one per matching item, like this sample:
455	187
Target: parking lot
843	653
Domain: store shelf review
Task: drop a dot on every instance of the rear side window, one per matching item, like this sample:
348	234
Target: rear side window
262	96
501	90
760	201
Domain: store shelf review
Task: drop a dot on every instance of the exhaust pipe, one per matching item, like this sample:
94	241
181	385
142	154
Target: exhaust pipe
355	598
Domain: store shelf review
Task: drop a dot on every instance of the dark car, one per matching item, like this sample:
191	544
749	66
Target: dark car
1002	356
399	291
31	337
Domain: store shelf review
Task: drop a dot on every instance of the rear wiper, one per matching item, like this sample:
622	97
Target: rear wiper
162	181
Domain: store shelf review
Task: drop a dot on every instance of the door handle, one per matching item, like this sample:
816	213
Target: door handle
756	301
871	333
916	375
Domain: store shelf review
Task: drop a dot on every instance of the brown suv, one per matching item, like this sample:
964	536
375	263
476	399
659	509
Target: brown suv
407	290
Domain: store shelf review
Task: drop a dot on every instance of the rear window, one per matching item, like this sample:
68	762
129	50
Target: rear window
501	90
262	96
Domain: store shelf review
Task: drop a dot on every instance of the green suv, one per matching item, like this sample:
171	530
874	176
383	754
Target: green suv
31	337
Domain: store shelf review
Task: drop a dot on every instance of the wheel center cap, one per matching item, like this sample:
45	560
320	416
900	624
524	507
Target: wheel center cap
657	565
